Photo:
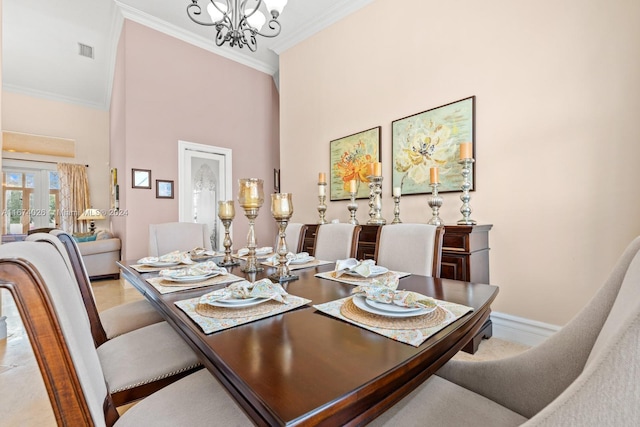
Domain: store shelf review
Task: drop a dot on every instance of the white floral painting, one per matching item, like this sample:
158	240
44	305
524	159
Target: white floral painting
429	139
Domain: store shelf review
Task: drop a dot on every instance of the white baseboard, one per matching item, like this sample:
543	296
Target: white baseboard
518	329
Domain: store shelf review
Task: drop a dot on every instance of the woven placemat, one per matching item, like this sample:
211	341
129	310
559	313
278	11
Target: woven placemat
429	320
348	277
210	281
141	268
236	313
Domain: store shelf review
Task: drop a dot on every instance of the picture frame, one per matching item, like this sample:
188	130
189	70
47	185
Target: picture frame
351	158
141	178
164	189
429	139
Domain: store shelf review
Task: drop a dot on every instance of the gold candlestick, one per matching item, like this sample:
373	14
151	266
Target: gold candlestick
282	209
251	198
226	213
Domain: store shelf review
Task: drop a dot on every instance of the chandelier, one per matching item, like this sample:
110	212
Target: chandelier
239	21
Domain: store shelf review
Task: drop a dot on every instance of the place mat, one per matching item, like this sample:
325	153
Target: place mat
396	327
212	320
429	320
314	263
165	286
352	280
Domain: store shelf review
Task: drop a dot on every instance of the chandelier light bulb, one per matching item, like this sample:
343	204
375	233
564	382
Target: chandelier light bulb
214	13
276	6
256	20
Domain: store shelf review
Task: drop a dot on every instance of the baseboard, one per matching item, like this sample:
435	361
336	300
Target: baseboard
518	329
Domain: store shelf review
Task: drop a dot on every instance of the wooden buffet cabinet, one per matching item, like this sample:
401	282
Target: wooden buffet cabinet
465	257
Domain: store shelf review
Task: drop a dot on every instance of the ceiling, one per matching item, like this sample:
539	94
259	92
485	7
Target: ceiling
40	39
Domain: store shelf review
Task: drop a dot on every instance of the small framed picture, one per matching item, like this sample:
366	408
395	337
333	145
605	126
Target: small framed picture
164	189
140	178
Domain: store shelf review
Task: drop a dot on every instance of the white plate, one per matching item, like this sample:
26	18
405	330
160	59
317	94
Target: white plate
303	260
360	302
247	303
376	270
397	308
191	278
161	264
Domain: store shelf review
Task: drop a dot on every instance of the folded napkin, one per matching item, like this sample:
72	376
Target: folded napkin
175	256
363	268
259	251
244	289
275	259
385	291
200	269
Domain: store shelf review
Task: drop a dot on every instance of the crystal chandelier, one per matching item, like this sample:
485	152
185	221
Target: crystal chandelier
239	21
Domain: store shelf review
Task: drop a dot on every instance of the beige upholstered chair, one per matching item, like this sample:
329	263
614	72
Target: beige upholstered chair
412	248
336	241
135	363
177	236
55	319
294	233
584	375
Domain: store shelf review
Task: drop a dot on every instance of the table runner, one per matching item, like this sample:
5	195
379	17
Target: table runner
413	337
165	287
210	325
314	263
351	280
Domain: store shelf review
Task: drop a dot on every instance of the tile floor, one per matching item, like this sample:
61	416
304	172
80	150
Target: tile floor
23	397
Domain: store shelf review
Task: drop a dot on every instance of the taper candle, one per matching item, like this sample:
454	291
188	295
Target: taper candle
433	175
322	178
321	189
396	191
466	150
377	169
353	186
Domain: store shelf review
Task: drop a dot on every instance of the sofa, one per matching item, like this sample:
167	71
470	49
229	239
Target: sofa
100	255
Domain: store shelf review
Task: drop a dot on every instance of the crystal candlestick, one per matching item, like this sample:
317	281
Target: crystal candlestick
396	210
375	201
465	197
282	209
250	198
435	202
226	213
353	208
322	207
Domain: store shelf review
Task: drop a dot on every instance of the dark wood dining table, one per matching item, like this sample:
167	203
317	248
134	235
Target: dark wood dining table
303	367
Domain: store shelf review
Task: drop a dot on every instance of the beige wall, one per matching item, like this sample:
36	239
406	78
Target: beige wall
166	90
89	127
557	140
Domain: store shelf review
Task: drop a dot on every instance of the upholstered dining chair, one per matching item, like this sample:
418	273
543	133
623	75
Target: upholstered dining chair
336	241
294	233
177	236
412	248
135	363
584	375
57	326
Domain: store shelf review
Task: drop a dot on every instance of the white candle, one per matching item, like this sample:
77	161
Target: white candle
353	186
321	189
396	191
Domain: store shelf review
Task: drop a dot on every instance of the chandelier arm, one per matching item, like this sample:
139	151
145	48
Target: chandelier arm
197	10
274	25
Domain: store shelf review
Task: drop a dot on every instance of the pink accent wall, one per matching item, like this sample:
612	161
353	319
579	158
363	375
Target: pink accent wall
166	90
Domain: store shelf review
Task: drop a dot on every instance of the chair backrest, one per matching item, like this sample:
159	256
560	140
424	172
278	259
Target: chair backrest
177	236
412	248
58	328
68	249
336	241
293	237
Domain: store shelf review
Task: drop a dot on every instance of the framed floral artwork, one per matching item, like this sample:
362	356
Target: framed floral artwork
351	159
429	139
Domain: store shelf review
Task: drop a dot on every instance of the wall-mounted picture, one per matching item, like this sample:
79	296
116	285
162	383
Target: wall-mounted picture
164	189
351	159
140	178
429	139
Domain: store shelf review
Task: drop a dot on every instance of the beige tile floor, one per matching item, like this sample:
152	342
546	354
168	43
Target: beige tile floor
23	397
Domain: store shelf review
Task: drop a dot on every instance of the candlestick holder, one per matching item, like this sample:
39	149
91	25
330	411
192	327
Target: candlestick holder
322	207
396	210
250	198
435	203
465	197
353	208
228	260
375	201
282	209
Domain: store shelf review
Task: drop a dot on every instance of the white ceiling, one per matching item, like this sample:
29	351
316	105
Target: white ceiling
40	40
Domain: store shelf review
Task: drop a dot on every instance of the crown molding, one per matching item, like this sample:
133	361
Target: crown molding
174	31
117	21
331	16
54	96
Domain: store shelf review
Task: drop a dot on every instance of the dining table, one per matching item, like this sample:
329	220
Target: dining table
306	367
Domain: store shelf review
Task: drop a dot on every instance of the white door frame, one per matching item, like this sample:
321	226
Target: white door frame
188	150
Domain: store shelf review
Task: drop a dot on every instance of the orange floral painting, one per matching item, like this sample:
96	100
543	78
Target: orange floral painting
351	159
